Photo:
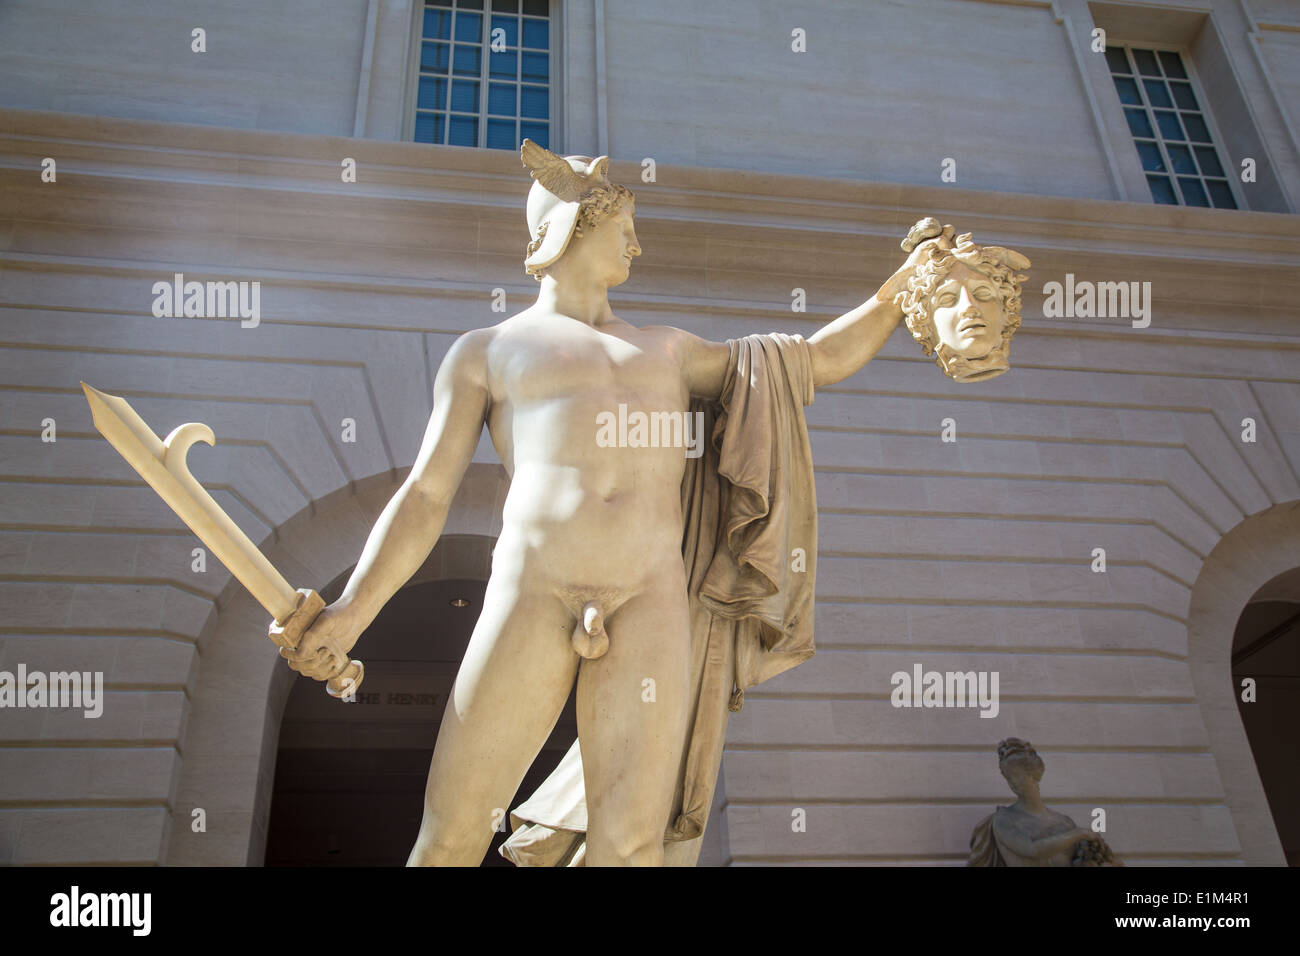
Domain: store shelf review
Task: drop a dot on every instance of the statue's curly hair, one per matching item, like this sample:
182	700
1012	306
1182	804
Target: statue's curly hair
603	201
925	279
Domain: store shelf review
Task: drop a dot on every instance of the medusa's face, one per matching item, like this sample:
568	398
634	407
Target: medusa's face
967	312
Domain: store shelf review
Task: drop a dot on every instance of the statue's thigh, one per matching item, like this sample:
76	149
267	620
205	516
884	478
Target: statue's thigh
511	687
632	710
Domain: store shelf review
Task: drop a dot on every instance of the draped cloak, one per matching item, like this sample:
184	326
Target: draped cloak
749	544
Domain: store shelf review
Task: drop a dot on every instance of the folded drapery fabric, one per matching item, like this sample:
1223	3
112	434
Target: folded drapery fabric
984	845
750	547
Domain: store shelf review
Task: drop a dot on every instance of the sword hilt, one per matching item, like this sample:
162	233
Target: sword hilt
348	674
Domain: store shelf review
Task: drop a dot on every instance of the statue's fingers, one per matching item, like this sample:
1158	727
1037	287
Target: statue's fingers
297	655
304	661
322	666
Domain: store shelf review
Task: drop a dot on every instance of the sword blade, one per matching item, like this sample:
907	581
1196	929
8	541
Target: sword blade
161	463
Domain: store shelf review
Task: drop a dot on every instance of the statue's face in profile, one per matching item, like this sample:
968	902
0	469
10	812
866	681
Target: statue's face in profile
1022	773
604	252
967	313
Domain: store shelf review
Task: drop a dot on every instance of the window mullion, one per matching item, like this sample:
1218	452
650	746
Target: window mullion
485	49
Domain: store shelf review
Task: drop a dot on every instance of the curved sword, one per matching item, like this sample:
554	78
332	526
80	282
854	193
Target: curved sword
162	465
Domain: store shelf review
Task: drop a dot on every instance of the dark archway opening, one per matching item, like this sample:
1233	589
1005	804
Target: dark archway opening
349	778
1266	649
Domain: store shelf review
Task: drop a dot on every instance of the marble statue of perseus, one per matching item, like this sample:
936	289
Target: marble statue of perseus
588	578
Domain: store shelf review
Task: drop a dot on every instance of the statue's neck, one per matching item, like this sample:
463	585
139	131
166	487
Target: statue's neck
585	301
1030	802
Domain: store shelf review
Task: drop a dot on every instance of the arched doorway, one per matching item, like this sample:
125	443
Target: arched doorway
1266	650
349	778
1254	564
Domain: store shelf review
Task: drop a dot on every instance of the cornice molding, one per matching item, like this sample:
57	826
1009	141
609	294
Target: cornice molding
260	159
728	224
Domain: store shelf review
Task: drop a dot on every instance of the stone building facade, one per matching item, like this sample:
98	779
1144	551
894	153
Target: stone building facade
775	170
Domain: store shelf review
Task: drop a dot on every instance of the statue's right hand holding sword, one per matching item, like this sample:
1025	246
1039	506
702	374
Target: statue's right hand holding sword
316	639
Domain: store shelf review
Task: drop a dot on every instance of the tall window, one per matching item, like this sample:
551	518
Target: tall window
1168	125
485	71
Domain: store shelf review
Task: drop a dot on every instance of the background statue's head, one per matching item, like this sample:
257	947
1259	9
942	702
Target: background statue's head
1020	765
570	198
962	304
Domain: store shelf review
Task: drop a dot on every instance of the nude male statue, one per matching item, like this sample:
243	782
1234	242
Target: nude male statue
587	577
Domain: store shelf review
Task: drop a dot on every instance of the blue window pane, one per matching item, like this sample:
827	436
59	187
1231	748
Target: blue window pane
537	34
502	66
1157	94
536	8
469	27
466	60
437	24
433	93
539	133
1221	194
429	127
1117	61
1152	161
1183	96
1197	131
1128	91
435	57
1162	191
1193	192
464	96
1138	123
1173	65
511	27
536	67
1169	126
535	102
501	101
1146	62
1181	157
463	131
1205	155
501	134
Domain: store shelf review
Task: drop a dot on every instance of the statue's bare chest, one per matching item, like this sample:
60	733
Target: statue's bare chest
557	360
